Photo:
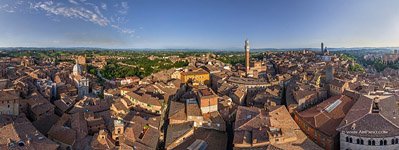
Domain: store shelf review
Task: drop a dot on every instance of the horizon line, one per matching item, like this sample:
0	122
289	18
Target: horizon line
232	48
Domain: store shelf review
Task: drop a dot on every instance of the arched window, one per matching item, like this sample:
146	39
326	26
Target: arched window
393	141
381	142
396	141
350	140
369	142
357	141
385	142
347	139
372	142
361	141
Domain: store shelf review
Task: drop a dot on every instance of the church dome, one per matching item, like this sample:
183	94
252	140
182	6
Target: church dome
77	69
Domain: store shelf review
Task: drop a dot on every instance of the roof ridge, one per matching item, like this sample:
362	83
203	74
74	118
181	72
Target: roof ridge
388	120
252	119
258	113
322	112
350	110
353	121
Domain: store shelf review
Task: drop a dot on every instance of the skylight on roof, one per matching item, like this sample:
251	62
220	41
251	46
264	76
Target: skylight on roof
334	105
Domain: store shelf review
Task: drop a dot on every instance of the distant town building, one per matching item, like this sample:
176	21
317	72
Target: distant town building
128	80
208	100
390	57
144	102
27	61
81	60
251	83
197	77
9	102
337	86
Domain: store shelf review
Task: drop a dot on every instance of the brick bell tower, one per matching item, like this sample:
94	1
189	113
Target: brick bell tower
246	56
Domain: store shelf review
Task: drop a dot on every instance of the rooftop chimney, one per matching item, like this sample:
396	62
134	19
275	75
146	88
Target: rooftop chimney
353	126
375	108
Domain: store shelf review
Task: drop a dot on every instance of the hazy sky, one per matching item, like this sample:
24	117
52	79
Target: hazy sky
199	23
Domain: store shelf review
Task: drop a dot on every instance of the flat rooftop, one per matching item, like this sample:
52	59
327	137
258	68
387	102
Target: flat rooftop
206	92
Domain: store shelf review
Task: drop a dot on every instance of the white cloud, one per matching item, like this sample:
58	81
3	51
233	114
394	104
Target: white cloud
124	7
73	2
72	12
104	6
8	8
124	30
76	9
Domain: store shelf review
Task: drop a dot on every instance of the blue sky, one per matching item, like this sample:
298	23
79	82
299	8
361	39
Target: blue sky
213	24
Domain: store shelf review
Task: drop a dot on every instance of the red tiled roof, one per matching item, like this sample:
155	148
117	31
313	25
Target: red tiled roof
318	117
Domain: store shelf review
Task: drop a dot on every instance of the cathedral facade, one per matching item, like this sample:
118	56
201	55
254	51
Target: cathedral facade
81	82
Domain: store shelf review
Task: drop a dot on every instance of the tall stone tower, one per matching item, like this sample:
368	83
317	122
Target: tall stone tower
246	56
329	73
322	47
118	131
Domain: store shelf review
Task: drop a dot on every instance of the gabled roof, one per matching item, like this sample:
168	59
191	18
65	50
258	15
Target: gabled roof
177	111
62	132
175	131
338	82
358	110
381	123
21	130
249	118
327	115
251	125
99	143
142	130
215	140
145	98
44	124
